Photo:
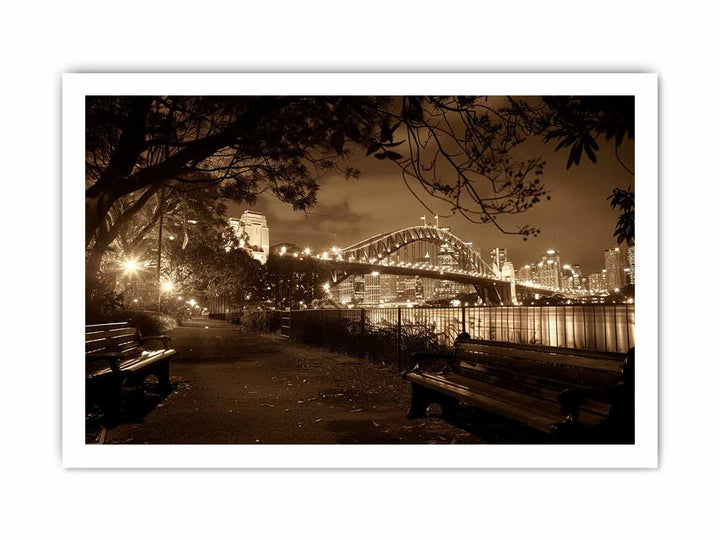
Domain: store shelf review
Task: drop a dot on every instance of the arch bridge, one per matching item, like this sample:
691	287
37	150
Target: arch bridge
373	255
379	247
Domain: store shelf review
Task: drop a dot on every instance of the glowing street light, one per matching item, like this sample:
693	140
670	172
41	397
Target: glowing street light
168	286
130	266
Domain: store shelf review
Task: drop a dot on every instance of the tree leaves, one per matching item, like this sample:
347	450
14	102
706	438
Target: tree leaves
338	141
625	227
579	120
372	148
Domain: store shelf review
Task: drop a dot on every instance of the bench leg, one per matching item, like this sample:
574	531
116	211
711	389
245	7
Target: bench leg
419	402
163	377
449	407
111	402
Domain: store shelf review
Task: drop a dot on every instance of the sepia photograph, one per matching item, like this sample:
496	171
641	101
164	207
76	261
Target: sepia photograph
360	269
330	270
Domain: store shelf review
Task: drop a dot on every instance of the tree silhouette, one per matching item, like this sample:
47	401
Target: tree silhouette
242	146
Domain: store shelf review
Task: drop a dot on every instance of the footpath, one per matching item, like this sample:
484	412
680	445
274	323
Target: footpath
234	387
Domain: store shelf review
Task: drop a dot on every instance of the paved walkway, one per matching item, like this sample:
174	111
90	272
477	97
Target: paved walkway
233	387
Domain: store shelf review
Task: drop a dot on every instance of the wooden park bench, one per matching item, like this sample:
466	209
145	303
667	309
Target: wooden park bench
116	358
568	395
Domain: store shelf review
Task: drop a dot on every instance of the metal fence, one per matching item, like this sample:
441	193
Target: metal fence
391	335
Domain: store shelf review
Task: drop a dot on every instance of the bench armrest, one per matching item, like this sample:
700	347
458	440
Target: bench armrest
572	398
111	357
165	340
435	362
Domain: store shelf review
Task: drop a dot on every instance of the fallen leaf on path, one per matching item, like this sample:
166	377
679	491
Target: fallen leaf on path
375	423
266	405
318	420
356	410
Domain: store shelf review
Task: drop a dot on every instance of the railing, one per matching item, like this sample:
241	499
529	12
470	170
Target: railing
391	335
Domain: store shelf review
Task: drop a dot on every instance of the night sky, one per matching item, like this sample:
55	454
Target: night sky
577	221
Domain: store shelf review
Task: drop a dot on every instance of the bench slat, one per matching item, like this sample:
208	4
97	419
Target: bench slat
119	344
527	384
533	418
94	336
550	406
469	349
134	363
619	357
106	326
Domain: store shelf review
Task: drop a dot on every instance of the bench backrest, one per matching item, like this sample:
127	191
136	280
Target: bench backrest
121	338
468	348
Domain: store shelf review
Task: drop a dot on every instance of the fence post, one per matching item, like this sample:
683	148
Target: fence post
463	318
399	336
362	332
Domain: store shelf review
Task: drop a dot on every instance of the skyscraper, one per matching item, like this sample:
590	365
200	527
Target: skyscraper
253	233
346	291
631	264
571	277
614	269
525	274
577	278
549	270
447	261
372	289
596	282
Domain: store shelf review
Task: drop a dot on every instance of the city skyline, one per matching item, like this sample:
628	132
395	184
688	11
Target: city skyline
576	220
435	254
497	258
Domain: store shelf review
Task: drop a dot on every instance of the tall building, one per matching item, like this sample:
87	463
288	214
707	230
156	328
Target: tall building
346	291
577	278
571	277
359	289
614	269
388	287
498	257
253	232
596	282
549	270
525	274
446	259
631	264
372	289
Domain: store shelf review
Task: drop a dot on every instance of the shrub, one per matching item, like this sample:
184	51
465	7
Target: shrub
150	323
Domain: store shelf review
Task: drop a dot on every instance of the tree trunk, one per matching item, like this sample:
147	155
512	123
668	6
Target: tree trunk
96	208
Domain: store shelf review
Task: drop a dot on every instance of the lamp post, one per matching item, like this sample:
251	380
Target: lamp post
166	286
159	248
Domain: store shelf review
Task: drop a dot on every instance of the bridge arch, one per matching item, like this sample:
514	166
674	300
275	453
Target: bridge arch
382	245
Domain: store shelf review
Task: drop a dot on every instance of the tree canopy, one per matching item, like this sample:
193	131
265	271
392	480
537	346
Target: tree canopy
172	157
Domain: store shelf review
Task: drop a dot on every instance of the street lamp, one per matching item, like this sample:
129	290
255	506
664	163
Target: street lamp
166	286
130	266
